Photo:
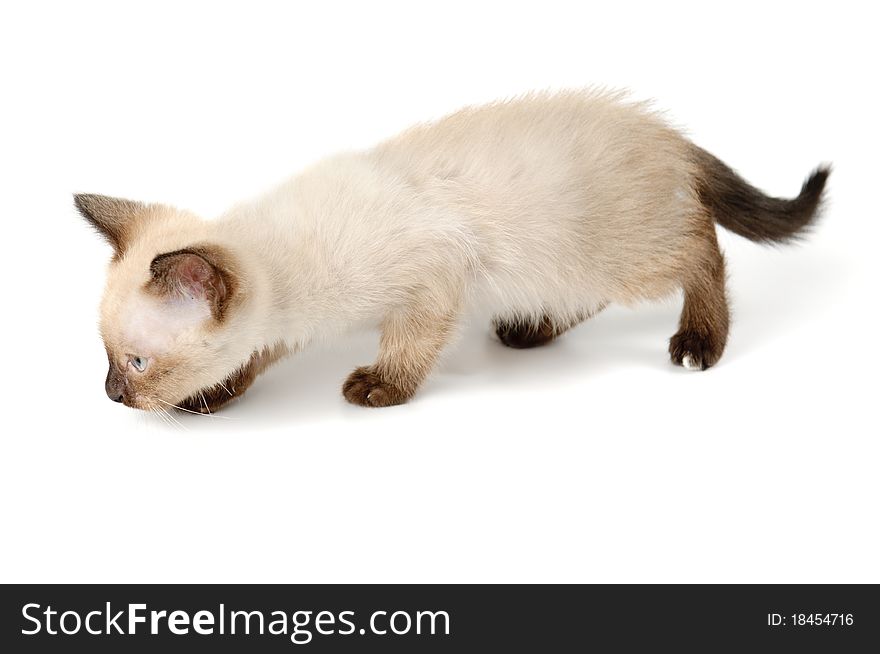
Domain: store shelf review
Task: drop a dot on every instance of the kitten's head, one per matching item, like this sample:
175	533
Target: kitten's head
170	304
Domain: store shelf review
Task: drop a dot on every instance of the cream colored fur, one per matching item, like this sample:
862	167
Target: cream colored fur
548	204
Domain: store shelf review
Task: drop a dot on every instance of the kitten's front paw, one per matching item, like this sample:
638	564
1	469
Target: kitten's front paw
693	350
366	388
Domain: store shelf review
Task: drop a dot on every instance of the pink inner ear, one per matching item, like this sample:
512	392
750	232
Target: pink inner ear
189	274
194	275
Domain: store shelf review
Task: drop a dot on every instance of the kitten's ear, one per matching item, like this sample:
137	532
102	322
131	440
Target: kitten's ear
201	273
112	217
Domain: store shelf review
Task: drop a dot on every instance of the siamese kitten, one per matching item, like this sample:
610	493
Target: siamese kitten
543	209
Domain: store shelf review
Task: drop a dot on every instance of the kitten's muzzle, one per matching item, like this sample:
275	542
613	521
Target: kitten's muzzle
115	384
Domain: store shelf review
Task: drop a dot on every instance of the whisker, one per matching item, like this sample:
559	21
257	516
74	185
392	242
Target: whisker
175	420
195	413
172	421
205	402
162	415
180	408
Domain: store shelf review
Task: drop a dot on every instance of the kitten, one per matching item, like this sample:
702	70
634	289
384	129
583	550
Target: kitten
543	209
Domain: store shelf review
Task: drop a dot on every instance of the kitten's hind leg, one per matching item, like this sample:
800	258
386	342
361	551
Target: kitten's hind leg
521	333
410	344
705	318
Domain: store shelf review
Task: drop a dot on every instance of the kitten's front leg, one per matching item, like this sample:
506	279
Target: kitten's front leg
409	347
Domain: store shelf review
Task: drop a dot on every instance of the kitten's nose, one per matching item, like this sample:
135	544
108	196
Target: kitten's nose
115	384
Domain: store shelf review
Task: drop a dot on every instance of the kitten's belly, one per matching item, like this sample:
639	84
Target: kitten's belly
538	290
571	265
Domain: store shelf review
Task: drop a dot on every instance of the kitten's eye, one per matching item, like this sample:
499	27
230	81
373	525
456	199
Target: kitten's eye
138	363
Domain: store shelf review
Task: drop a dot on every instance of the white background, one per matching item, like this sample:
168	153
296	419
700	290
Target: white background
592	460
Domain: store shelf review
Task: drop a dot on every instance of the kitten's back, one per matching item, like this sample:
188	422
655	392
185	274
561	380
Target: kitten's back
582	186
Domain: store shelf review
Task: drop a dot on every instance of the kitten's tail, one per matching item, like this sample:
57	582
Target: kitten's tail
740	207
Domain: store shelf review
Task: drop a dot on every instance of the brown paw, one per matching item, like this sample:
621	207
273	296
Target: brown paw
524	335
694	350
365	387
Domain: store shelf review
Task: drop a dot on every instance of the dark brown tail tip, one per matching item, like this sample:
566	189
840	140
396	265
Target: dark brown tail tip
740	207
811	198
815	183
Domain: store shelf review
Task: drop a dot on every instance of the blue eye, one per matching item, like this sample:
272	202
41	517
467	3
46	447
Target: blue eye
138	363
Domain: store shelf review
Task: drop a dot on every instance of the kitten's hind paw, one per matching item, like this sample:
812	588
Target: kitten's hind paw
523	335
365	387
693	350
